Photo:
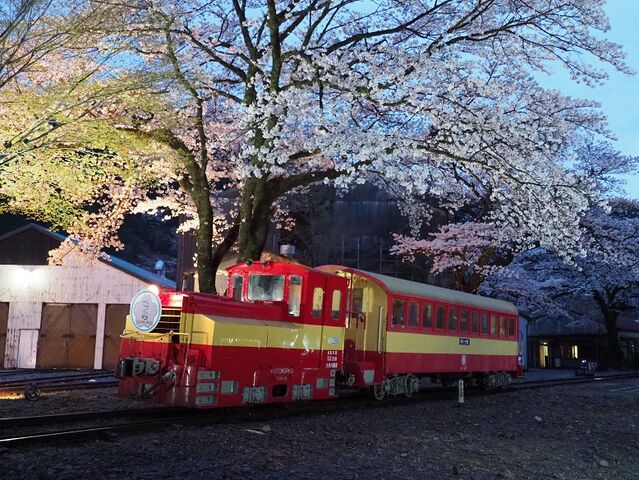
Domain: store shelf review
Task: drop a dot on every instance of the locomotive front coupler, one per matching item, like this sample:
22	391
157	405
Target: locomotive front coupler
161	381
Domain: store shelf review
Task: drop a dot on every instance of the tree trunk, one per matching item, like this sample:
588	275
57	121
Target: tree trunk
204	240
255	219
613	350
613	355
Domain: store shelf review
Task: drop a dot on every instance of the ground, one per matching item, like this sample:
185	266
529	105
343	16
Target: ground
586	431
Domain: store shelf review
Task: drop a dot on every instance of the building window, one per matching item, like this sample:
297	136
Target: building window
440	322
294	295
413	314
337	302
574	351
318	300
427	315
398	313
452	319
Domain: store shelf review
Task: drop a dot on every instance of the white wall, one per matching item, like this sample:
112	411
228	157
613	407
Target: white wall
26	288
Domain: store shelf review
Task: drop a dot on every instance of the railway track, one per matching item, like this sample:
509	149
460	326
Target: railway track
31	388
81	426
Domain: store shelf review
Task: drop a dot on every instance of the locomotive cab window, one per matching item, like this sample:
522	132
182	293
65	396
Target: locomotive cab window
413	313
318	300
336	304
266	287
511	327
398	313
493	324
238	283
294	295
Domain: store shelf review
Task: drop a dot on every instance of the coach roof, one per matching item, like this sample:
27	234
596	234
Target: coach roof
399	286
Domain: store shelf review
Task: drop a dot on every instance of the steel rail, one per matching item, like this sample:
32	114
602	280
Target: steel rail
51	380
60	387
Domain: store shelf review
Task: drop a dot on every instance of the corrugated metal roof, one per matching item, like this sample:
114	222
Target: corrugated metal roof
400	286
115	262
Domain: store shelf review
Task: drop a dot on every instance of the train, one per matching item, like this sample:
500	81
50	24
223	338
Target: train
285	332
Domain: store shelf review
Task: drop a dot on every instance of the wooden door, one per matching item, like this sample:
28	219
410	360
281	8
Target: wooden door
4	318
67	336
81	337
52	345
113	327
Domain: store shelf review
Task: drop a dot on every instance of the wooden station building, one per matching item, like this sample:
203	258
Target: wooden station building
68	316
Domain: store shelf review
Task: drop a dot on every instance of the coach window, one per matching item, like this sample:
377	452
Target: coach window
502	326
493	324
440	321
511	327
358	300
474	322
238	283
484	323
463	321
337	302
398	313
413	314
427	315
318	300
452	319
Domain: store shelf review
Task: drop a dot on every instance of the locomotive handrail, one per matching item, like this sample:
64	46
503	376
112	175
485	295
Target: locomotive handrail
379	329
136	335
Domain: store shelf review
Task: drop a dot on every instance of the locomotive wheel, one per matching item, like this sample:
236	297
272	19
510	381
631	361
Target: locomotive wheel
32	392
378	392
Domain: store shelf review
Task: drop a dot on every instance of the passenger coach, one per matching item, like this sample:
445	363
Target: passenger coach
398	331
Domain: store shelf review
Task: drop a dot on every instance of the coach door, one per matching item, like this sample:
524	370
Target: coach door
67	336
355	324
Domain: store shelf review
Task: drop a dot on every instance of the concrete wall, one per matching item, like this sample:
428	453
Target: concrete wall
26	288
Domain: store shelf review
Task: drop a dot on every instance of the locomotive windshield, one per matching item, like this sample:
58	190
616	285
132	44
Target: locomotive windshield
266	287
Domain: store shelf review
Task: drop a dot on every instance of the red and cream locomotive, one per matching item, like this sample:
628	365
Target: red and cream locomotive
286	332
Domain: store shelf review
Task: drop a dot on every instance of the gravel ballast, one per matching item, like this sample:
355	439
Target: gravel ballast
586	431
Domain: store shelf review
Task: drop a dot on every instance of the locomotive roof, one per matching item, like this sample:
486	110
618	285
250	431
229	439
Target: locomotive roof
406	287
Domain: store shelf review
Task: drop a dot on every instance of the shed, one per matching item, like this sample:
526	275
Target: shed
68	316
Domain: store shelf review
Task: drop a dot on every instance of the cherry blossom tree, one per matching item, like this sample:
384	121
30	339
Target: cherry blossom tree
62	160
607	274
432	98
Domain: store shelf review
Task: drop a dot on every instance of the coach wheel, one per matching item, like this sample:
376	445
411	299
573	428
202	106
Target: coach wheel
32	392
378	391
411	385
